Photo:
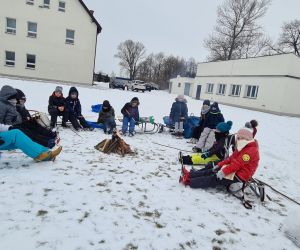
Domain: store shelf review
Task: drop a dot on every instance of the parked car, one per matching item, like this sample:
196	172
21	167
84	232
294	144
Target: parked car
154	86
135	85
118	83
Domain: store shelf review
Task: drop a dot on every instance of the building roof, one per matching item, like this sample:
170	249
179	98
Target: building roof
99	28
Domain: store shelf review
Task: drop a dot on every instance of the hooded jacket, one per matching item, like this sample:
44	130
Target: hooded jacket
73	105
179	109
213	117
21	107
8	112
104	115
131	112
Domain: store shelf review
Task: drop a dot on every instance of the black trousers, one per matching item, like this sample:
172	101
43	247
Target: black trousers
77	122
54	113
206	178
197	132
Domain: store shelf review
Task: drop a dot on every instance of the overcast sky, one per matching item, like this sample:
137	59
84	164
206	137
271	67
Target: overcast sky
175	27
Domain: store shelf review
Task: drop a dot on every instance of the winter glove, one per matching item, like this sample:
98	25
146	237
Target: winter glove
204	155
220	175
216	168
196	150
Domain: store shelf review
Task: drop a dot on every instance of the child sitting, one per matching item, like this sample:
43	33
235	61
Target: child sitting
107	117
131	116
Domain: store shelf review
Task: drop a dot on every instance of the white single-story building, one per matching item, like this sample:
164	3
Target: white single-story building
52	40
268	83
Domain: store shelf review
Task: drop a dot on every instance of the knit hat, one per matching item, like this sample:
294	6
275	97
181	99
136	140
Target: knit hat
246	133
181	98
20	95
206	102
58	89
224	127
136	100
106	104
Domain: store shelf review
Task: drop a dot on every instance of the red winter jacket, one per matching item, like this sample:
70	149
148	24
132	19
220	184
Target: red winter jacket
244	163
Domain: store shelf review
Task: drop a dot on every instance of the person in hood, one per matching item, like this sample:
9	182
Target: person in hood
219	150
107	117
8	112
179	114
30	127
131	116
73	107
16	139
198	130
57	107
240	166
212	119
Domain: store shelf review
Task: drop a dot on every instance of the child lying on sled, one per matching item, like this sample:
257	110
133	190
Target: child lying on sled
218	151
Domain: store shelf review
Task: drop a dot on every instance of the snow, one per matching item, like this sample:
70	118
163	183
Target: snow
89	200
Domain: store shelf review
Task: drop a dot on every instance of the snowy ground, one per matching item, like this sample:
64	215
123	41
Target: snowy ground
88	200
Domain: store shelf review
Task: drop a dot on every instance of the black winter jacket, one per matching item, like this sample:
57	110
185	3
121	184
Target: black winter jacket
55	102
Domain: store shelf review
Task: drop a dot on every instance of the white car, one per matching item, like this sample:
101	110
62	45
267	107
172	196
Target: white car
136	85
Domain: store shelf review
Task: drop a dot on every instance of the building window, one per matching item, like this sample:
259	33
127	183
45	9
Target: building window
11	26
209	88
10	57
179	85
30	2
46	4
221	89
30	61
251	91
61	6
32	29
70	35
235	90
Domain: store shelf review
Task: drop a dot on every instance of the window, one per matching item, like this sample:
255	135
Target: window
30	2
221	89
11	26
70	34
251	91
10	58
235	90
209	88
46	4
62	6
179	85
32	29
30	61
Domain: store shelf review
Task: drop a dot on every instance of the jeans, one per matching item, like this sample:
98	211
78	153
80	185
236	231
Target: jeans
131	122
109	124
16	139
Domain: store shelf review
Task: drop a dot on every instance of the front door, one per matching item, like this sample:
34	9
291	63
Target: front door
198	92
187	88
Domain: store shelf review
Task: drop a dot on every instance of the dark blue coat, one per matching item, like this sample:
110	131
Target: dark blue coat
131	112
73	105
179	109
213	117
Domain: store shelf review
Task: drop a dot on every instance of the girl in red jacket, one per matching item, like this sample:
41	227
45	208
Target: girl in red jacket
241	165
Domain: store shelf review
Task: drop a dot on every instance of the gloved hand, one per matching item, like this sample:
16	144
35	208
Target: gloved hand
204	155
196	150
216	168
220	175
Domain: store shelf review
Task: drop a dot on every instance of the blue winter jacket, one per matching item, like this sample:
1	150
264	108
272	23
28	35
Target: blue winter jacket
179	109
213	117
73	105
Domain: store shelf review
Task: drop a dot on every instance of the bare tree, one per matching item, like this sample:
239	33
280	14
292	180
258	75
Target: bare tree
289	39
237	31
130	54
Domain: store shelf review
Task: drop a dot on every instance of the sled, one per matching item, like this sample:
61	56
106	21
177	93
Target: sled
147	125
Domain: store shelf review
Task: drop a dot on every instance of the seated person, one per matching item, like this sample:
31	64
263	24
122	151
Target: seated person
131	116
16	139
57	107
73	109
240	166
218	151
107	117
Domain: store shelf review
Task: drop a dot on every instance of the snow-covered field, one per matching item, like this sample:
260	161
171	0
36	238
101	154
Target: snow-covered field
88	200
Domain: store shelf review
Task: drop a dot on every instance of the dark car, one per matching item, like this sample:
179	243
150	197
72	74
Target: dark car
118	83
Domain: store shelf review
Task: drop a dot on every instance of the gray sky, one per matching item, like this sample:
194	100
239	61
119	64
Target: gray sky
175	27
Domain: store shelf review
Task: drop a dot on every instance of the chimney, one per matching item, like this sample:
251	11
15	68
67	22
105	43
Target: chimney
92	12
